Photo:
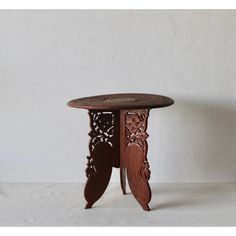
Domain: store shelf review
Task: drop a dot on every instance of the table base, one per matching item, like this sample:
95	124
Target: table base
118	139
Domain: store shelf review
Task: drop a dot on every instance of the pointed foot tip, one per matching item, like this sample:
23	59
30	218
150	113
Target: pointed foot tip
88	205
146	208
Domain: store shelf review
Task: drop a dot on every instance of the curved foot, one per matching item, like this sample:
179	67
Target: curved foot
134	123
99	173
88	205
100	161
146	208
138	175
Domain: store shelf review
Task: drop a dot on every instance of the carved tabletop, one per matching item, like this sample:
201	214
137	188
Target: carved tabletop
118	135
122	101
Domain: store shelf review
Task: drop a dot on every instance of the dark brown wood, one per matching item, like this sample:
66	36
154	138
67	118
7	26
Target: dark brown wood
100	161
122	101
123	179
118	139
134	153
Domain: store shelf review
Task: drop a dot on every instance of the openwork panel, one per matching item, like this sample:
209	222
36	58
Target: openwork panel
102	128
102	131
135	128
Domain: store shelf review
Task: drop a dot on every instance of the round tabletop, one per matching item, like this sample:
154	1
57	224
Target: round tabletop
122	101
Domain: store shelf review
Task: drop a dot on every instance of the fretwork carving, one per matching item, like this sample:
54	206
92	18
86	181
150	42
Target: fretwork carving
135	128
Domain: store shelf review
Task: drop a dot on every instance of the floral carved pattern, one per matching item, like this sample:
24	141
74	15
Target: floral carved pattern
90	170
135	128
102	131
135	131
145	171
102	128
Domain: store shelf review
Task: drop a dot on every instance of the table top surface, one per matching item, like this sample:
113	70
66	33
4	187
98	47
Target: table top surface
122	101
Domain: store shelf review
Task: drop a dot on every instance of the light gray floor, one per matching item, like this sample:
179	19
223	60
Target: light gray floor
172	205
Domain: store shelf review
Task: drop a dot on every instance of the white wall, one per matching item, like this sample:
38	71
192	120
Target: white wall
49	57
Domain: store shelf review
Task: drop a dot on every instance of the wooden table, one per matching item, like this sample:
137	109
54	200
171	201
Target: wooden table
118	139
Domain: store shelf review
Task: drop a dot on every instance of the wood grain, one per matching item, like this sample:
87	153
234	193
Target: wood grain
134	153
119	139
122	101
100	160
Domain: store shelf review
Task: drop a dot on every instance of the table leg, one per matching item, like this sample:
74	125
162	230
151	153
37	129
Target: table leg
123	179
101	158
133	153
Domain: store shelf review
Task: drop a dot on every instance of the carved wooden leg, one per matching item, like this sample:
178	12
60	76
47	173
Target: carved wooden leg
100	161
133	125
123	179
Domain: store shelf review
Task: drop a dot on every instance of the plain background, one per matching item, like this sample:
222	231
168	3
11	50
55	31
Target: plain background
48	57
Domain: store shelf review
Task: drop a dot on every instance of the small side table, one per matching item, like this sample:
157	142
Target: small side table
118	139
